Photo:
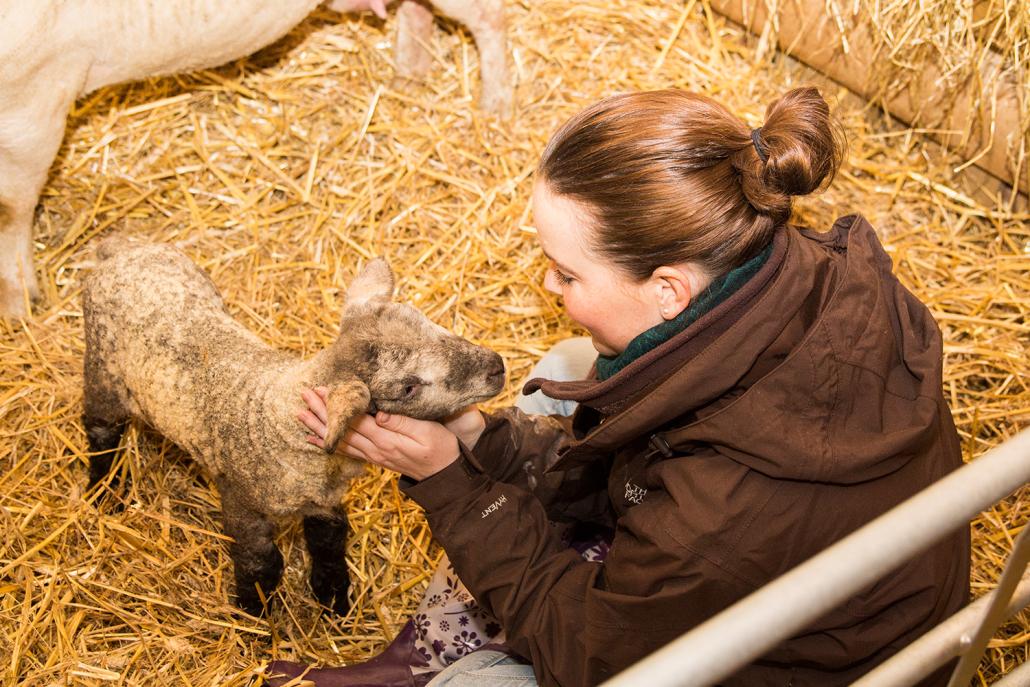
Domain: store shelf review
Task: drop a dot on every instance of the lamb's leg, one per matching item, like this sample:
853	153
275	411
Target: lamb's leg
29	139
414	32
103	414
257	562
326	537
103	417
104	437
485	19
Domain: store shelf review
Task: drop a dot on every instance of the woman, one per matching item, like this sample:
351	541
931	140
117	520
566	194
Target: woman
760	391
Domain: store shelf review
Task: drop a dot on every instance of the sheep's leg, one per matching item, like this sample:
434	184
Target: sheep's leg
29	139
103	414
326	537
257	562
485	19
414	32
17	274
103	437
104	420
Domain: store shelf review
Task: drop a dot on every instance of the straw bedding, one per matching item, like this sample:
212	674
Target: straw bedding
281	175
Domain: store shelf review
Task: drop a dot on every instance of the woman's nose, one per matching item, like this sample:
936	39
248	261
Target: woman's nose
551	282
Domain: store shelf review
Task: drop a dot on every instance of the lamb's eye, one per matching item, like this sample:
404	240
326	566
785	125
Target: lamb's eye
411	389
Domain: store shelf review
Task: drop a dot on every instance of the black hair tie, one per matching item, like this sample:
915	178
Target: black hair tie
763	155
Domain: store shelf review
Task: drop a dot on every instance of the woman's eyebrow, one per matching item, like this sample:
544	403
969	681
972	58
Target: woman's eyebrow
557	264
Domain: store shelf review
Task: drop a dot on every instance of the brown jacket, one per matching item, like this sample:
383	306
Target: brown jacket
797	410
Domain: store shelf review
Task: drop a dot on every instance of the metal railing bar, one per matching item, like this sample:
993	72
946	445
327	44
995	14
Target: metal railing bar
1020	677
940	644
723	644
977	642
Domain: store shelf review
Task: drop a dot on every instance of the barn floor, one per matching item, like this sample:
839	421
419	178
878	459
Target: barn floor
281	174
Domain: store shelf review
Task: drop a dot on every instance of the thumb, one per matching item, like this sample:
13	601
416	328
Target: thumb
396	423
379	7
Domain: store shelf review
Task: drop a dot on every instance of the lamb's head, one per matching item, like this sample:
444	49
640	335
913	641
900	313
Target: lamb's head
409	365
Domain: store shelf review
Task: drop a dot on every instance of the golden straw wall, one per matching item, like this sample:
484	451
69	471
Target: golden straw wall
281	174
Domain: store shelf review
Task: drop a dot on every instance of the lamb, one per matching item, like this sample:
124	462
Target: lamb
53	51
161	348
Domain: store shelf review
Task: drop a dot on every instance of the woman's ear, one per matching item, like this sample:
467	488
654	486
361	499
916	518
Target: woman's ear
674	287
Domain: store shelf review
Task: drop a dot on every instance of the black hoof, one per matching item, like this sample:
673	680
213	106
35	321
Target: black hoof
251	604
330	588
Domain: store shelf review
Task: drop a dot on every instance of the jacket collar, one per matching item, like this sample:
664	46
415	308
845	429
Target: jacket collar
659	386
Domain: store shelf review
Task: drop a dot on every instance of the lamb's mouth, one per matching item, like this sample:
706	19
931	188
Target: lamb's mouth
481	397
374	406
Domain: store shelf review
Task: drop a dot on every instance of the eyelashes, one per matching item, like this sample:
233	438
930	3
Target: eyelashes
561	277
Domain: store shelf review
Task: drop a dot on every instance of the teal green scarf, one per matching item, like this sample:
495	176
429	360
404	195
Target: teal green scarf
719	290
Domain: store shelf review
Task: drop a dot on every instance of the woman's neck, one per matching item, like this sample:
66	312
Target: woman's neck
711	295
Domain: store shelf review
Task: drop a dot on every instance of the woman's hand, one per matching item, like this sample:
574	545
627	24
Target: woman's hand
416	448
467	425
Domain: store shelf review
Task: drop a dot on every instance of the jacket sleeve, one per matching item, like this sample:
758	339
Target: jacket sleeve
517	449
573	619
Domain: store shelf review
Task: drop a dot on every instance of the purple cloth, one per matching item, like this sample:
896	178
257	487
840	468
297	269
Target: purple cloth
392	668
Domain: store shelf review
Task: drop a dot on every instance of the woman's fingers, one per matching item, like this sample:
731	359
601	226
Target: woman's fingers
315	399
343	448
311	421
365	440
416	448
401	424
352	444
358	446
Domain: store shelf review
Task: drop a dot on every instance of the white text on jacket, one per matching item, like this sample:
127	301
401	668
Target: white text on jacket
495	505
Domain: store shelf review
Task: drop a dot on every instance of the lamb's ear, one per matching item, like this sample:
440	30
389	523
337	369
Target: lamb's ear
373	284
343	402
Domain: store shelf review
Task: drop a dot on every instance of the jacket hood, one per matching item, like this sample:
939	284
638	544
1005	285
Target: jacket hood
822	367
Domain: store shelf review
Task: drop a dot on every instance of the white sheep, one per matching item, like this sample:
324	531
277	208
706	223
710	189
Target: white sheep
161	347
53	51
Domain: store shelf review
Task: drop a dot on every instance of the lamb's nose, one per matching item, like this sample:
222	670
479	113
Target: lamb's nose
495	367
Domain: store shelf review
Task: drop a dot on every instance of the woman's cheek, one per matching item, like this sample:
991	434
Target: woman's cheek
578	312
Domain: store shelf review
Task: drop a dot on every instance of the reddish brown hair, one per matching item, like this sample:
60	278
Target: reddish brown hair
671	176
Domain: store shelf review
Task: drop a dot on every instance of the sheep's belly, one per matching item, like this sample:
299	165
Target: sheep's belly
316	497
296	484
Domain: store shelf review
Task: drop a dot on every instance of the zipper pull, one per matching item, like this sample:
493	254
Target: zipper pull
658	443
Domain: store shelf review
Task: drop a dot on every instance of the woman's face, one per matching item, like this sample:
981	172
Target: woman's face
597	296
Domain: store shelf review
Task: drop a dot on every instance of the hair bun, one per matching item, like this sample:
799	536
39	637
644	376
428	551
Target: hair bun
803	144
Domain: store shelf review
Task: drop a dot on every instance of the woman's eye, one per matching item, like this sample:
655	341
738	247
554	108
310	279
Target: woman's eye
561	277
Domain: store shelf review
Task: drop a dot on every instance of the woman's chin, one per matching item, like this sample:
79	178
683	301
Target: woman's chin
603	348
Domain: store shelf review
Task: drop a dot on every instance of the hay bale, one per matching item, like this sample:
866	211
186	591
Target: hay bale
957	71
280	174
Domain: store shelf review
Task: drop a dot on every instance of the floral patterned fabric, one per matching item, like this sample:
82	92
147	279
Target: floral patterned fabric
450	624
447	625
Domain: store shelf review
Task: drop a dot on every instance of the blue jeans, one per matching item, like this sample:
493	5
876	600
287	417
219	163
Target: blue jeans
485	668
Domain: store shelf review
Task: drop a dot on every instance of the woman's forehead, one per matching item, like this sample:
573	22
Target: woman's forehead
561	225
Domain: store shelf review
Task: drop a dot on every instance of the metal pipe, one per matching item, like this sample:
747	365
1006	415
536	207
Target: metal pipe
1020	677
725	643
940	644
996	611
